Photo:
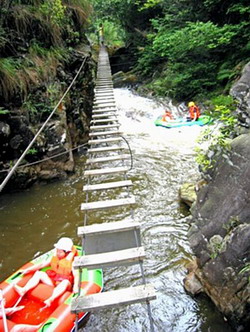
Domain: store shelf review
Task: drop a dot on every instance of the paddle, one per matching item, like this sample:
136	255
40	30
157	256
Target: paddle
5	326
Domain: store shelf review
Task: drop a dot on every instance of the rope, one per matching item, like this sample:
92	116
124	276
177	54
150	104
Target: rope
40	130
45	159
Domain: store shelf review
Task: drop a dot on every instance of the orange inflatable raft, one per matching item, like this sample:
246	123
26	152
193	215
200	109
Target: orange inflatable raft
57	317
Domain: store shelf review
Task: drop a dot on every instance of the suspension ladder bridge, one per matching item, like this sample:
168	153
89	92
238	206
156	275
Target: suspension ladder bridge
111	244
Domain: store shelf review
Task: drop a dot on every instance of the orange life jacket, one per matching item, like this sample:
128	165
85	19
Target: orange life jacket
167	116
62	268
194	112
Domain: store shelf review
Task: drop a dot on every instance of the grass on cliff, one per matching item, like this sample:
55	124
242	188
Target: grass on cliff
44	31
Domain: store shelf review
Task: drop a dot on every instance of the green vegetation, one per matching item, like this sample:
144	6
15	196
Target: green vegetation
36	36
219	137
185	49
246	269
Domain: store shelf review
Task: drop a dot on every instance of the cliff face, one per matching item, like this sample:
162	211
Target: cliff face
220	231
67	129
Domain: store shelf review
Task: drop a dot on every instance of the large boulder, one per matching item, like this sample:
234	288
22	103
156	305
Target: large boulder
220	233
241	92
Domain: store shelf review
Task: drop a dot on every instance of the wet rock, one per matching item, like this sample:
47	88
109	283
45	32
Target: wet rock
4	130
220	233
191	281
187	194
122	79
241	91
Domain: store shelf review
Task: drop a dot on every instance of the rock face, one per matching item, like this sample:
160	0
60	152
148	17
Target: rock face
187	194
220	231
241	92
67	129
220	234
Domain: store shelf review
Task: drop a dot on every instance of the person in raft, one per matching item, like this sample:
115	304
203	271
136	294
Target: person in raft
5	312
194	112
61	275
167	116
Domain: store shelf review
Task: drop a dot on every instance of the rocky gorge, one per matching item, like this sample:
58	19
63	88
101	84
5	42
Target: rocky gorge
220	228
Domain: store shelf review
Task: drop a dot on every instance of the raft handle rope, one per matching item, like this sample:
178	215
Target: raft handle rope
40	130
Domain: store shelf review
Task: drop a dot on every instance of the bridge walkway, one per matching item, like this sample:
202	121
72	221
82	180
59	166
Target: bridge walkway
114	243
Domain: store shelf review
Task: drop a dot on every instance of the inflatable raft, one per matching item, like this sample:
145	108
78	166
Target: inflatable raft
181	122
57	317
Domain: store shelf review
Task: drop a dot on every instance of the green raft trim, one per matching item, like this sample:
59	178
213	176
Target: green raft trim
181	122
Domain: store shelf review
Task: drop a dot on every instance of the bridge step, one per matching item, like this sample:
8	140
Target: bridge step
104	102
105	149
107	204
104	171
104	110
103	133
103	90
107	185
107	227
105	140
106	126
110	259
104	98
103	115
104	106
106	159
104	120
110	299
104	94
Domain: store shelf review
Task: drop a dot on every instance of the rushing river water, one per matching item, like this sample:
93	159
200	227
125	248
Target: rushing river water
31	221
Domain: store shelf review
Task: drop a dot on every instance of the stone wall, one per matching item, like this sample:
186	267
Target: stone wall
220	230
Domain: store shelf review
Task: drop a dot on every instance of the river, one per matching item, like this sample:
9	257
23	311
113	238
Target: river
31	221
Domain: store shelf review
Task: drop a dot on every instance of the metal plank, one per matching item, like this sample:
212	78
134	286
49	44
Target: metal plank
105	133
106	126
107	185
104	140
107	204
104	120
104	110
107	227
103	102
110	299
115	258
103	115
105	149
106	159
104	171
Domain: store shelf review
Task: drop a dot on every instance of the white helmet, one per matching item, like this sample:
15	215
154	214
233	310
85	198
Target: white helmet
65	243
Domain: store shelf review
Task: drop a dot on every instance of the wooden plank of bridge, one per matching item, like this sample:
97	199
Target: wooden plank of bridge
105	97
105	133
110	259
111	203
105	140
103	115
106	159
104	94
107	185
106	149
103	102
114	298
105	171
104	120
106	126
108	227
104	110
